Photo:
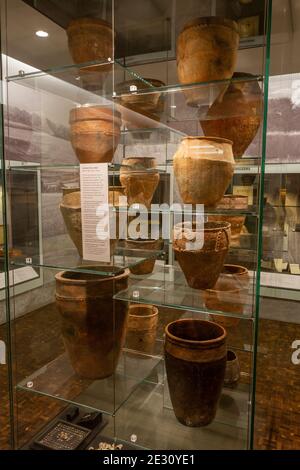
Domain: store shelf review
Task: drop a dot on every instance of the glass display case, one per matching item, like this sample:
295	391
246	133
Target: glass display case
135	143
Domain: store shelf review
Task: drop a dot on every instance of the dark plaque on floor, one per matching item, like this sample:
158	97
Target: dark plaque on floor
63	436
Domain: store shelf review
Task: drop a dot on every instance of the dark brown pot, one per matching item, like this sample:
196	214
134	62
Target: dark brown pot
236	225
140	248
201	265
93	324
141	328
95	133
236	114
70	208
232	373
195	357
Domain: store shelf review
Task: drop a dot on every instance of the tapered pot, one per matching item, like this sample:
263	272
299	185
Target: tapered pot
70	208
93	324
141	328
201	254
206	50
95	133
239	274
236	225
195	358
232	372
140	179
203	169
236	113
140	249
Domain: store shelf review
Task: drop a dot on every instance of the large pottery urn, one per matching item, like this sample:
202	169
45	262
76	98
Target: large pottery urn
203	169
201	253
93	324
140	178
206	51
141	328
70	208
143	249
195	357
236	113
95	133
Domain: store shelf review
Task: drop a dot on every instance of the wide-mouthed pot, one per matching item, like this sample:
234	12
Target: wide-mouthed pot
93	323
236	113
233	202
141	328
236	225
146	249
203	168
238	273
95	133
228	295
201	252
195	358
232	372
206	51
140	179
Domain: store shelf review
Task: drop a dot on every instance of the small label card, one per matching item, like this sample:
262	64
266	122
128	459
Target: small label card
95	211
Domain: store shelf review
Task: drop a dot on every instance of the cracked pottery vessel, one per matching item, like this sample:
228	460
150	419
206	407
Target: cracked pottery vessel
232	372
140	179
141	328
203	169
93	324
95	133
195	358
206	51
236	113
201	253
139	249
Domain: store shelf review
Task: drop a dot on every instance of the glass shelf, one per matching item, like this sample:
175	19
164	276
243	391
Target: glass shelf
167	287
58	380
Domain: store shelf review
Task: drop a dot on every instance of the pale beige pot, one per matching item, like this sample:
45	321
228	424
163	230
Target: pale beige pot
95	133
139	249
206	50
141	328
140	179
203	169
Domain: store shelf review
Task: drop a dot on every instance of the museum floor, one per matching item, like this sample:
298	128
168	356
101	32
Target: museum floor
278	380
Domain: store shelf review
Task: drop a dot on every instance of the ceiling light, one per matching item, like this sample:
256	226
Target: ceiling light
42	34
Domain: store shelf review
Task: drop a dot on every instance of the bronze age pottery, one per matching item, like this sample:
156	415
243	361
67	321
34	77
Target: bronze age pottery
93	324
203	169
238	273
141	328
206	51
233	202
139	249
95	133
236	225
236	113
195	357
232	372
140	179
70	208
201	255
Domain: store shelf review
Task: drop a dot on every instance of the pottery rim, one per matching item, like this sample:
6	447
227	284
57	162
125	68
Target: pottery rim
208	226
203	137
240	270
84	21
231	356
209	343
99	277
211	20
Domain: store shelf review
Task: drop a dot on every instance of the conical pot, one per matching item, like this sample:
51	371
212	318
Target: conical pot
140	179
203	169
140	248
206	51
70	208
93	324
232	372
201	255
95	133
195	358
236	113
141	328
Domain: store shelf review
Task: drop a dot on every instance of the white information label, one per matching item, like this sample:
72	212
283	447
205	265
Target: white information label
95	212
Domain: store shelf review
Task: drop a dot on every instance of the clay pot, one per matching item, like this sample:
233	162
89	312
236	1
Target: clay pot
236	225
201	255
236	113
239	274
228	295
203	169
95	133
71	212
206	51
141	247
232	372
233	202
93	324
141	328
195	357
140	179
